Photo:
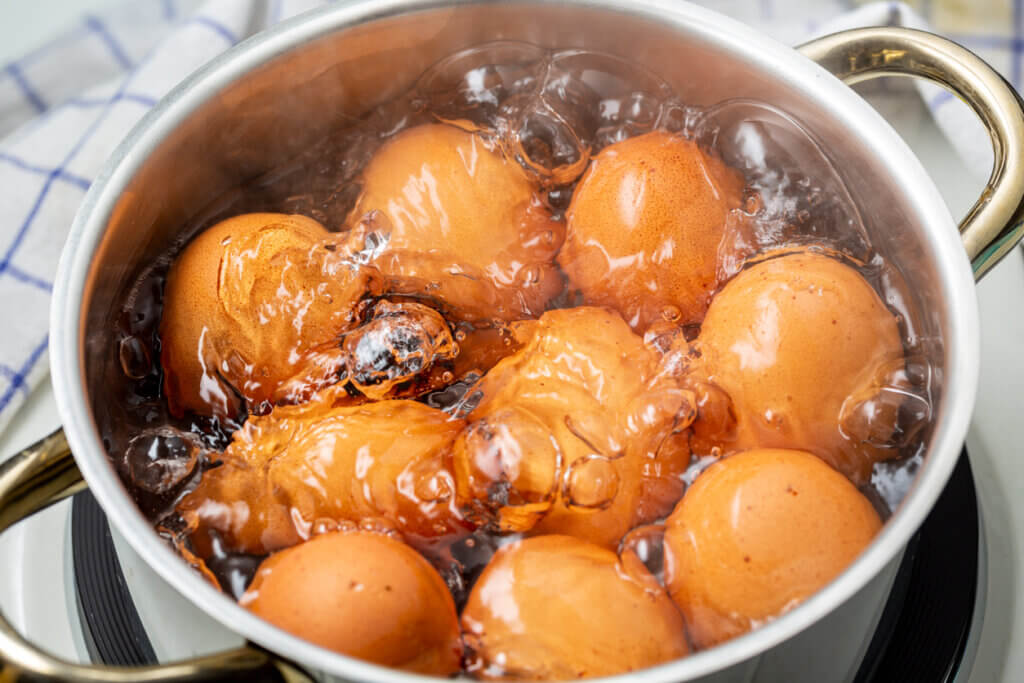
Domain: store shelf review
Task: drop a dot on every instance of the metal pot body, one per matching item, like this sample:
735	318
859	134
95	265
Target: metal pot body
260	103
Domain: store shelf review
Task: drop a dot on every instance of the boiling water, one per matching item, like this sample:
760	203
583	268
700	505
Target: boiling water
552	112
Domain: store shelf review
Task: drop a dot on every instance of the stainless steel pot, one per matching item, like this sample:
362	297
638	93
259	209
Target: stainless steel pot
263	100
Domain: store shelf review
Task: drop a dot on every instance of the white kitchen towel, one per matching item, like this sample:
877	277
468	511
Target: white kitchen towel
65	106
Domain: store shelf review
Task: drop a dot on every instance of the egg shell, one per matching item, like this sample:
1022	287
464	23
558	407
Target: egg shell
466	224
794	341
756	534
251	303
644	227
362	594
557	607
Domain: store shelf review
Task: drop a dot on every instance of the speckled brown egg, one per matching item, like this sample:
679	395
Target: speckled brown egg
362	594
461	224
797	343
756	534
644	227
557	608
253	308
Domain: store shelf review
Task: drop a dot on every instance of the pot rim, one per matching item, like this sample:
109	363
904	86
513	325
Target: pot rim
859	118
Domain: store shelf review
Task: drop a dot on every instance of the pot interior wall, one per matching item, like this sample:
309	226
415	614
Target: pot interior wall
283	104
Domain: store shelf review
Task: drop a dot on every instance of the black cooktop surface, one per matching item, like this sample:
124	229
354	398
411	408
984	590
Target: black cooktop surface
923	631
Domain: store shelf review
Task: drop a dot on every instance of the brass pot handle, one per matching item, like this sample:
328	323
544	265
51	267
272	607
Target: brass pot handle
994	224
41	475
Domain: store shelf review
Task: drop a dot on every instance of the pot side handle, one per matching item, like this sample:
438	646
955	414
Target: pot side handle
995	223
43	474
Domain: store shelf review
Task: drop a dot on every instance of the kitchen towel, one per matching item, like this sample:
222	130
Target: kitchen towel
65	106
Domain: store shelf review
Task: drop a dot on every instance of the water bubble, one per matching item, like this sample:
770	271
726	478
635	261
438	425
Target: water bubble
472	84
918	372
136	361
687	413
431	483
452	398
467	403
892	479
327	525
671	313
752	202
786	167
507	468
379	525
661	401
716	420
699	464
596	432
557	199
648	544
550	110
160	459
462	561
233	571
398	343
665	336
890	412
591	483
547	144
617	93
374	229
676	117
529	275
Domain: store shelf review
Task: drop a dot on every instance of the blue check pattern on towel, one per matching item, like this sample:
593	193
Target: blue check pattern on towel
65	106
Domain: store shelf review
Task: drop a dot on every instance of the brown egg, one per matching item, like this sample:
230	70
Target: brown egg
575	433
314	465
794	345
556	608
460	224
755	535
362	594
255	305
644	227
